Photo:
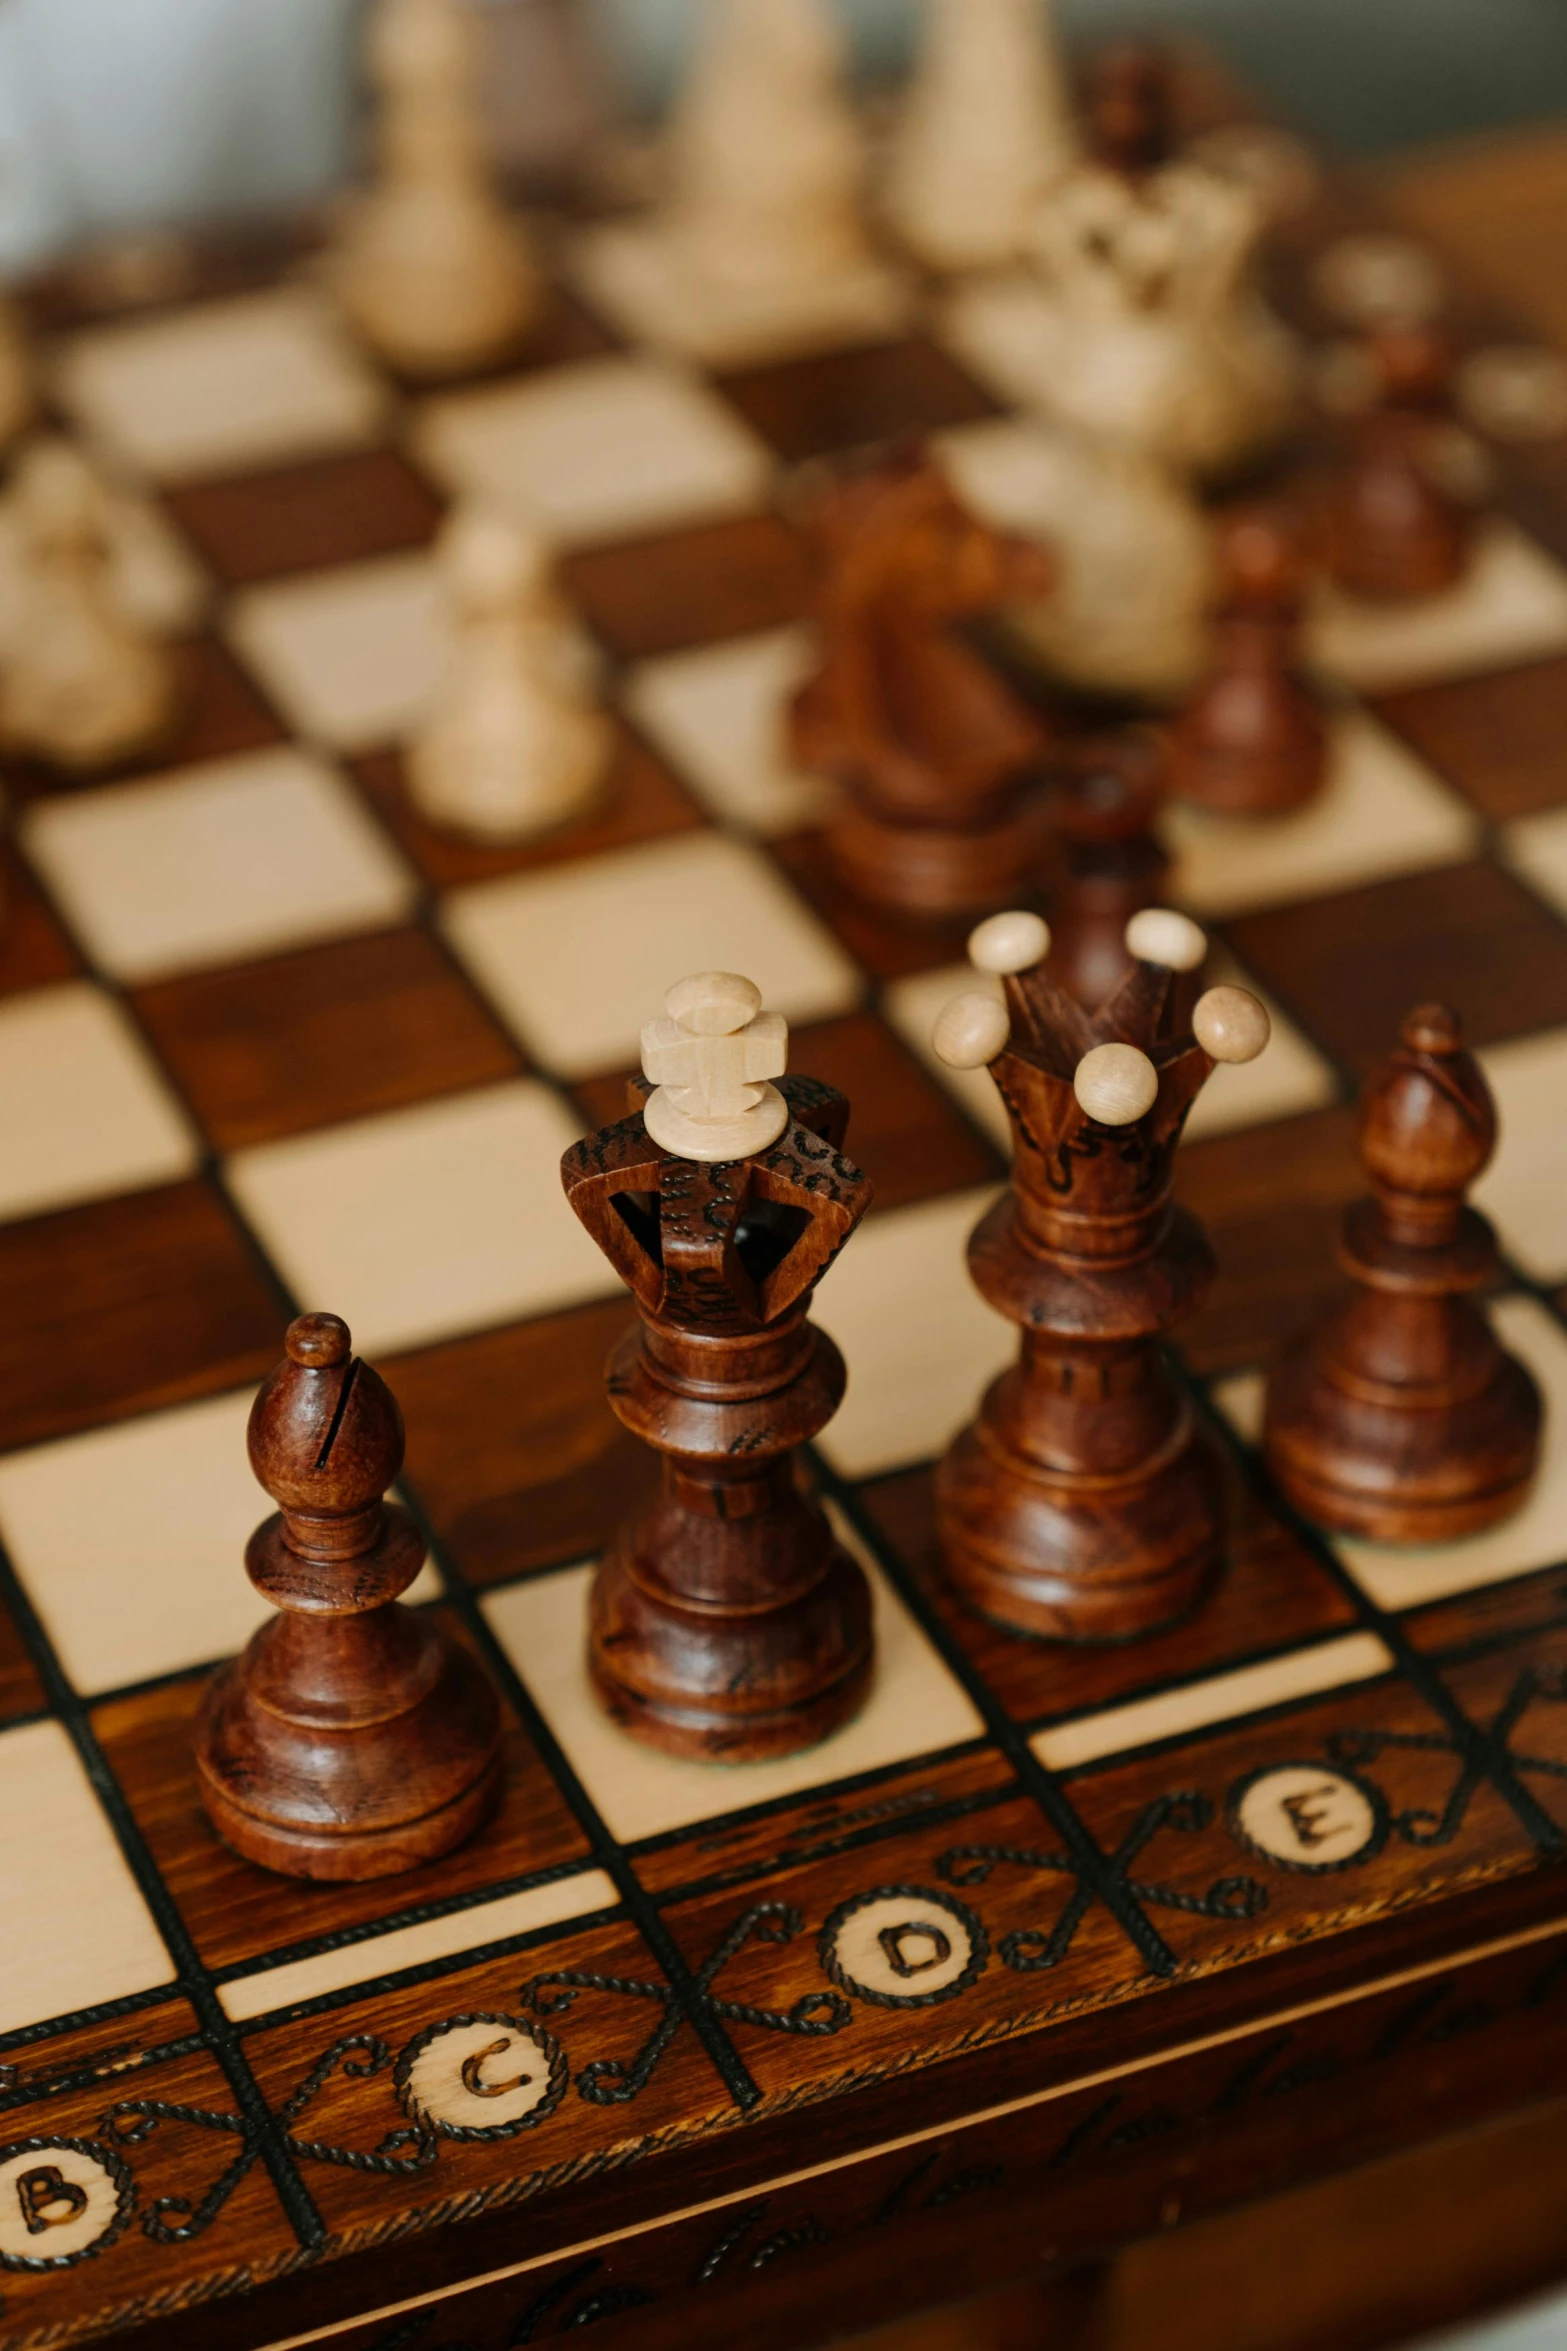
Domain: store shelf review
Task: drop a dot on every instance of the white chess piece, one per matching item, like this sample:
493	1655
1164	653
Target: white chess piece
83	686
709	1061
987	127
429	264
16	378
154	580
516	743
765	155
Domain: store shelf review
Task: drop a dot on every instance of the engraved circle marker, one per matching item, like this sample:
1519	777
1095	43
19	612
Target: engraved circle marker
1309	1816
61	2200
481	2077
903	1946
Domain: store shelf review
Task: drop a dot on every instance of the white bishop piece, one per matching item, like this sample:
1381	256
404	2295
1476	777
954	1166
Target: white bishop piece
709	1060
1116	1084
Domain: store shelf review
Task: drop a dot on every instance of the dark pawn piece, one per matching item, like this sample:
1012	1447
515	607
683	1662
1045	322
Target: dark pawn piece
352	1739
1111	862
938	759
1086	1502
1128	106
1394	531
1253	740
1401	1418
728	1623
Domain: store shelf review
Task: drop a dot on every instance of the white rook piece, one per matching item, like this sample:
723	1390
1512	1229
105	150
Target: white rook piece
709	1060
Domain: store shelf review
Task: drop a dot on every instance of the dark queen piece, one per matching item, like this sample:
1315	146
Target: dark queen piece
1085	1503
728	1622
353	1738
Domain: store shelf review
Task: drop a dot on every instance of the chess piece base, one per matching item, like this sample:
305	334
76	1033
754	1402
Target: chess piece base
1077	1558
926	870
729	1686
1364	1461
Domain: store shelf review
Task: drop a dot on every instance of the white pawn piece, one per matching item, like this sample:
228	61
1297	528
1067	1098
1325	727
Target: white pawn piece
1230	1025
1012	942
987	127
429	265
1159	935
515	744
16	375
1116	1084
709	1061
971	1030
83	686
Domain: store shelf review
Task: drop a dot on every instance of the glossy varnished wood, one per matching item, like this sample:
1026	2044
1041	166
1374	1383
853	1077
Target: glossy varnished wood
306	517
690	586
849	399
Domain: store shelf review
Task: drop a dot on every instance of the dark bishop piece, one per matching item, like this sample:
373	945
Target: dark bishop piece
1085	1503
1402	1418
352	1739
727	1621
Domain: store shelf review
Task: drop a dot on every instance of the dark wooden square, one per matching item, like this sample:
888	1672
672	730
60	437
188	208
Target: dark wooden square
1272	1198
233	1909
1497	737
689	587
335	1032
223	714
328	511
33	947
127	1304
641	802
880	941
21	1692
903	1130
512	1447
1272	1594
1471	936
846	399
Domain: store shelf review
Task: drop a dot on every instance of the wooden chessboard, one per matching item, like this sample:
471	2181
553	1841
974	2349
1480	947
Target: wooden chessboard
1048	1946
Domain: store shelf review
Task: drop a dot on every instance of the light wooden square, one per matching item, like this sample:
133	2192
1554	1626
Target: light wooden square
1003	329
131	1541
212	864
718	714
86	1112
232	385
632	273
920	1342
604	450
1381	812
915	1707
1536	847
353	657
1195	1706
1525	1187
912	1005
77	1929
1511	607
579	957
417	1225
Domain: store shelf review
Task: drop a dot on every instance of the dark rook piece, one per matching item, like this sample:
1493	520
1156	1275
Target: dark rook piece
1085	1502
352	1739
727	1621
1402	1418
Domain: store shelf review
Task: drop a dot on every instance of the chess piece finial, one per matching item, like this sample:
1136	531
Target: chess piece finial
515	743
727	1620
83	687
1085	1502
1395	531
352	1739
429	265
1402	1419
1253	740
709	1061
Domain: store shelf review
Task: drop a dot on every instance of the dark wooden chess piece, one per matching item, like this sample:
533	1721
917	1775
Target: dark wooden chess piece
943	811
353	1738
1086	1503
1402	1418
1110	862
1394	530
728	1622
1128	107
1253	740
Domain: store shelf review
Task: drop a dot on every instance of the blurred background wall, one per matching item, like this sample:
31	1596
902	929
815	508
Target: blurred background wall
139	111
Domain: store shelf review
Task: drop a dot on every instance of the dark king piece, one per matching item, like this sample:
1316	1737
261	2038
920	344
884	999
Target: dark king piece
727	1622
